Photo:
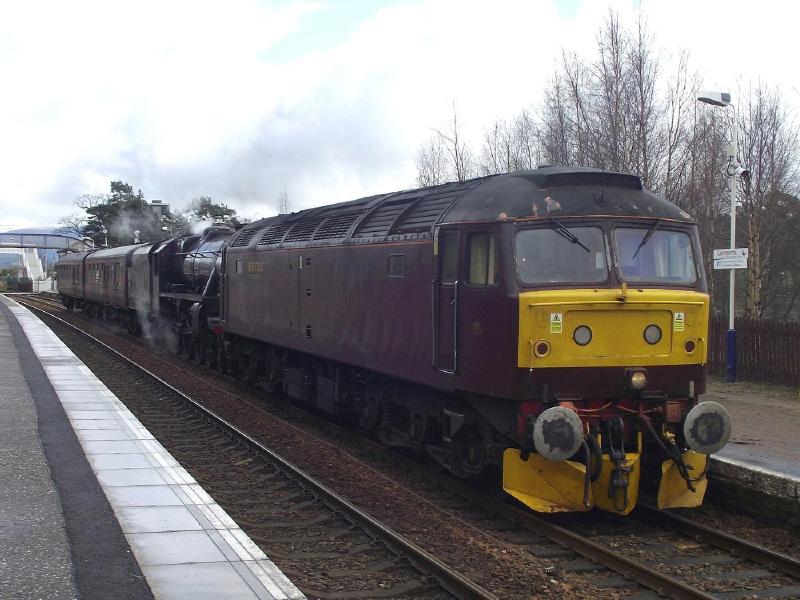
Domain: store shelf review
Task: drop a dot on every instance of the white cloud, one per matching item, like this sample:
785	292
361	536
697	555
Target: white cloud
183	98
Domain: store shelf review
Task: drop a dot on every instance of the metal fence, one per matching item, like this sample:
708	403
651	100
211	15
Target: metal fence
765	350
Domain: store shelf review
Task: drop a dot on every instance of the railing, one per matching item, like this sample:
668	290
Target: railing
765	350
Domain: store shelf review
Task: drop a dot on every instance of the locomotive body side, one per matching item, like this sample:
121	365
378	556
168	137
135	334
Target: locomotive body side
338	303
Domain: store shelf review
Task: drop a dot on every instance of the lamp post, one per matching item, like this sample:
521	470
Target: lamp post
724	99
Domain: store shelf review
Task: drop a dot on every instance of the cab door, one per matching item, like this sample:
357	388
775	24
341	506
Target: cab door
445	301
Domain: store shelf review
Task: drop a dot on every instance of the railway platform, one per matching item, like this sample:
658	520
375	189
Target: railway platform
91	505
760	465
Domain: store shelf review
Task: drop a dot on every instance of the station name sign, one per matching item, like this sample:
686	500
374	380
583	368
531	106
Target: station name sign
731	258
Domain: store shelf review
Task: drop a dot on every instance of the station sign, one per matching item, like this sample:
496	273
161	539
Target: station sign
731	258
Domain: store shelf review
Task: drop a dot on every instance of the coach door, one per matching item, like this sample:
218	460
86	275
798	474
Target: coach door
445	302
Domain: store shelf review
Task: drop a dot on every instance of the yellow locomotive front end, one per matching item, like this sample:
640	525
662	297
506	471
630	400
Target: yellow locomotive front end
620	364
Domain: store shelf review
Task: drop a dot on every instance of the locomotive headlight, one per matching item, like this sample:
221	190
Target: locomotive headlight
707	427
541	348
638	380
582	335
652	334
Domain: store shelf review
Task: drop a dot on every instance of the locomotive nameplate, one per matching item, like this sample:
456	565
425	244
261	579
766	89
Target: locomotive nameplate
255	270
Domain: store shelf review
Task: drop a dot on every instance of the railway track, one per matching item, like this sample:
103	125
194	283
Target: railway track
328	546
649	554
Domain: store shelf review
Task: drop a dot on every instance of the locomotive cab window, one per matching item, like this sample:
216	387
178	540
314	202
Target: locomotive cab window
655	255
483	267
448	246
561	254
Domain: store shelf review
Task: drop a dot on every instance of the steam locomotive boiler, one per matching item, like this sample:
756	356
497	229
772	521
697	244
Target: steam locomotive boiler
550	323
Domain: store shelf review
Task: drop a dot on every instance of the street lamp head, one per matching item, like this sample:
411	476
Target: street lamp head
715	98
743	173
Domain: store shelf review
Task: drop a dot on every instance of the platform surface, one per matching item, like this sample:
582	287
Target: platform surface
35	560
185	545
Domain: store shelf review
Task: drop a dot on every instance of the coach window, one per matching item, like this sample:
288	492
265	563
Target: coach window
448	244
482	259
397	265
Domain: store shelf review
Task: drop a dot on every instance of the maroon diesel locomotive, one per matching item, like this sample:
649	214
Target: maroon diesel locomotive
550	323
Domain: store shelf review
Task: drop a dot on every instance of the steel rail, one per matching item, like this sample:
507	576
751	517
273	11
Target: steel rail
662	584
738	547
451	580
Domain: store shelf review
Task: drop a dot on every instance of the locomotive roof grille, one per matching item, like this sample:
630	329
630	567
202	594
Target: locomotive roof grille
336	227
243	238
303	231
380	221
423	215
274	235
602	178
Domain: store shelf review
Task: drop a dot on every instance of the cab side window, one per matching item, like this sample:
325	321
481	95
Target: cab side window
483	266
449	248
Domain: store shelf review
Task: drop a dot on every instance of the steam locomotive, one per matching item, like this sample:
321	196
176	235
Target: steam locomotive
550	323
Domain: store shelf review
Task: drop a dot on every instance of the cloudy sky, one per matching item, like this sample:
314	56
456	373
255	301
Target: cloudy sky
329	100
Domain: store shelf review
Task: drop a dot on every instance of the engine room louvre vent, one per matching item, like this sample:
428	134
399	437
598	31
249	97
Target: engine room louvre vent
379	222
302	230
244	237
336	227
274	234
423	216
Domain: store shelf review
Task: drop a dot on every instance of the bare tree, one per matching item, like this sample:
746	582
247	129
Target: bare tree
642	107
526	141
767	146
610	94
702	192
73	224
459	154
431	163
677	130
446	156
498	151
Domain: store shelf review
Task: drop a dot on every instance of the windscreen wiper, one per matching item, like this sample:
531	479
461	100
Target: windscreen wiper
647	237
567	234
